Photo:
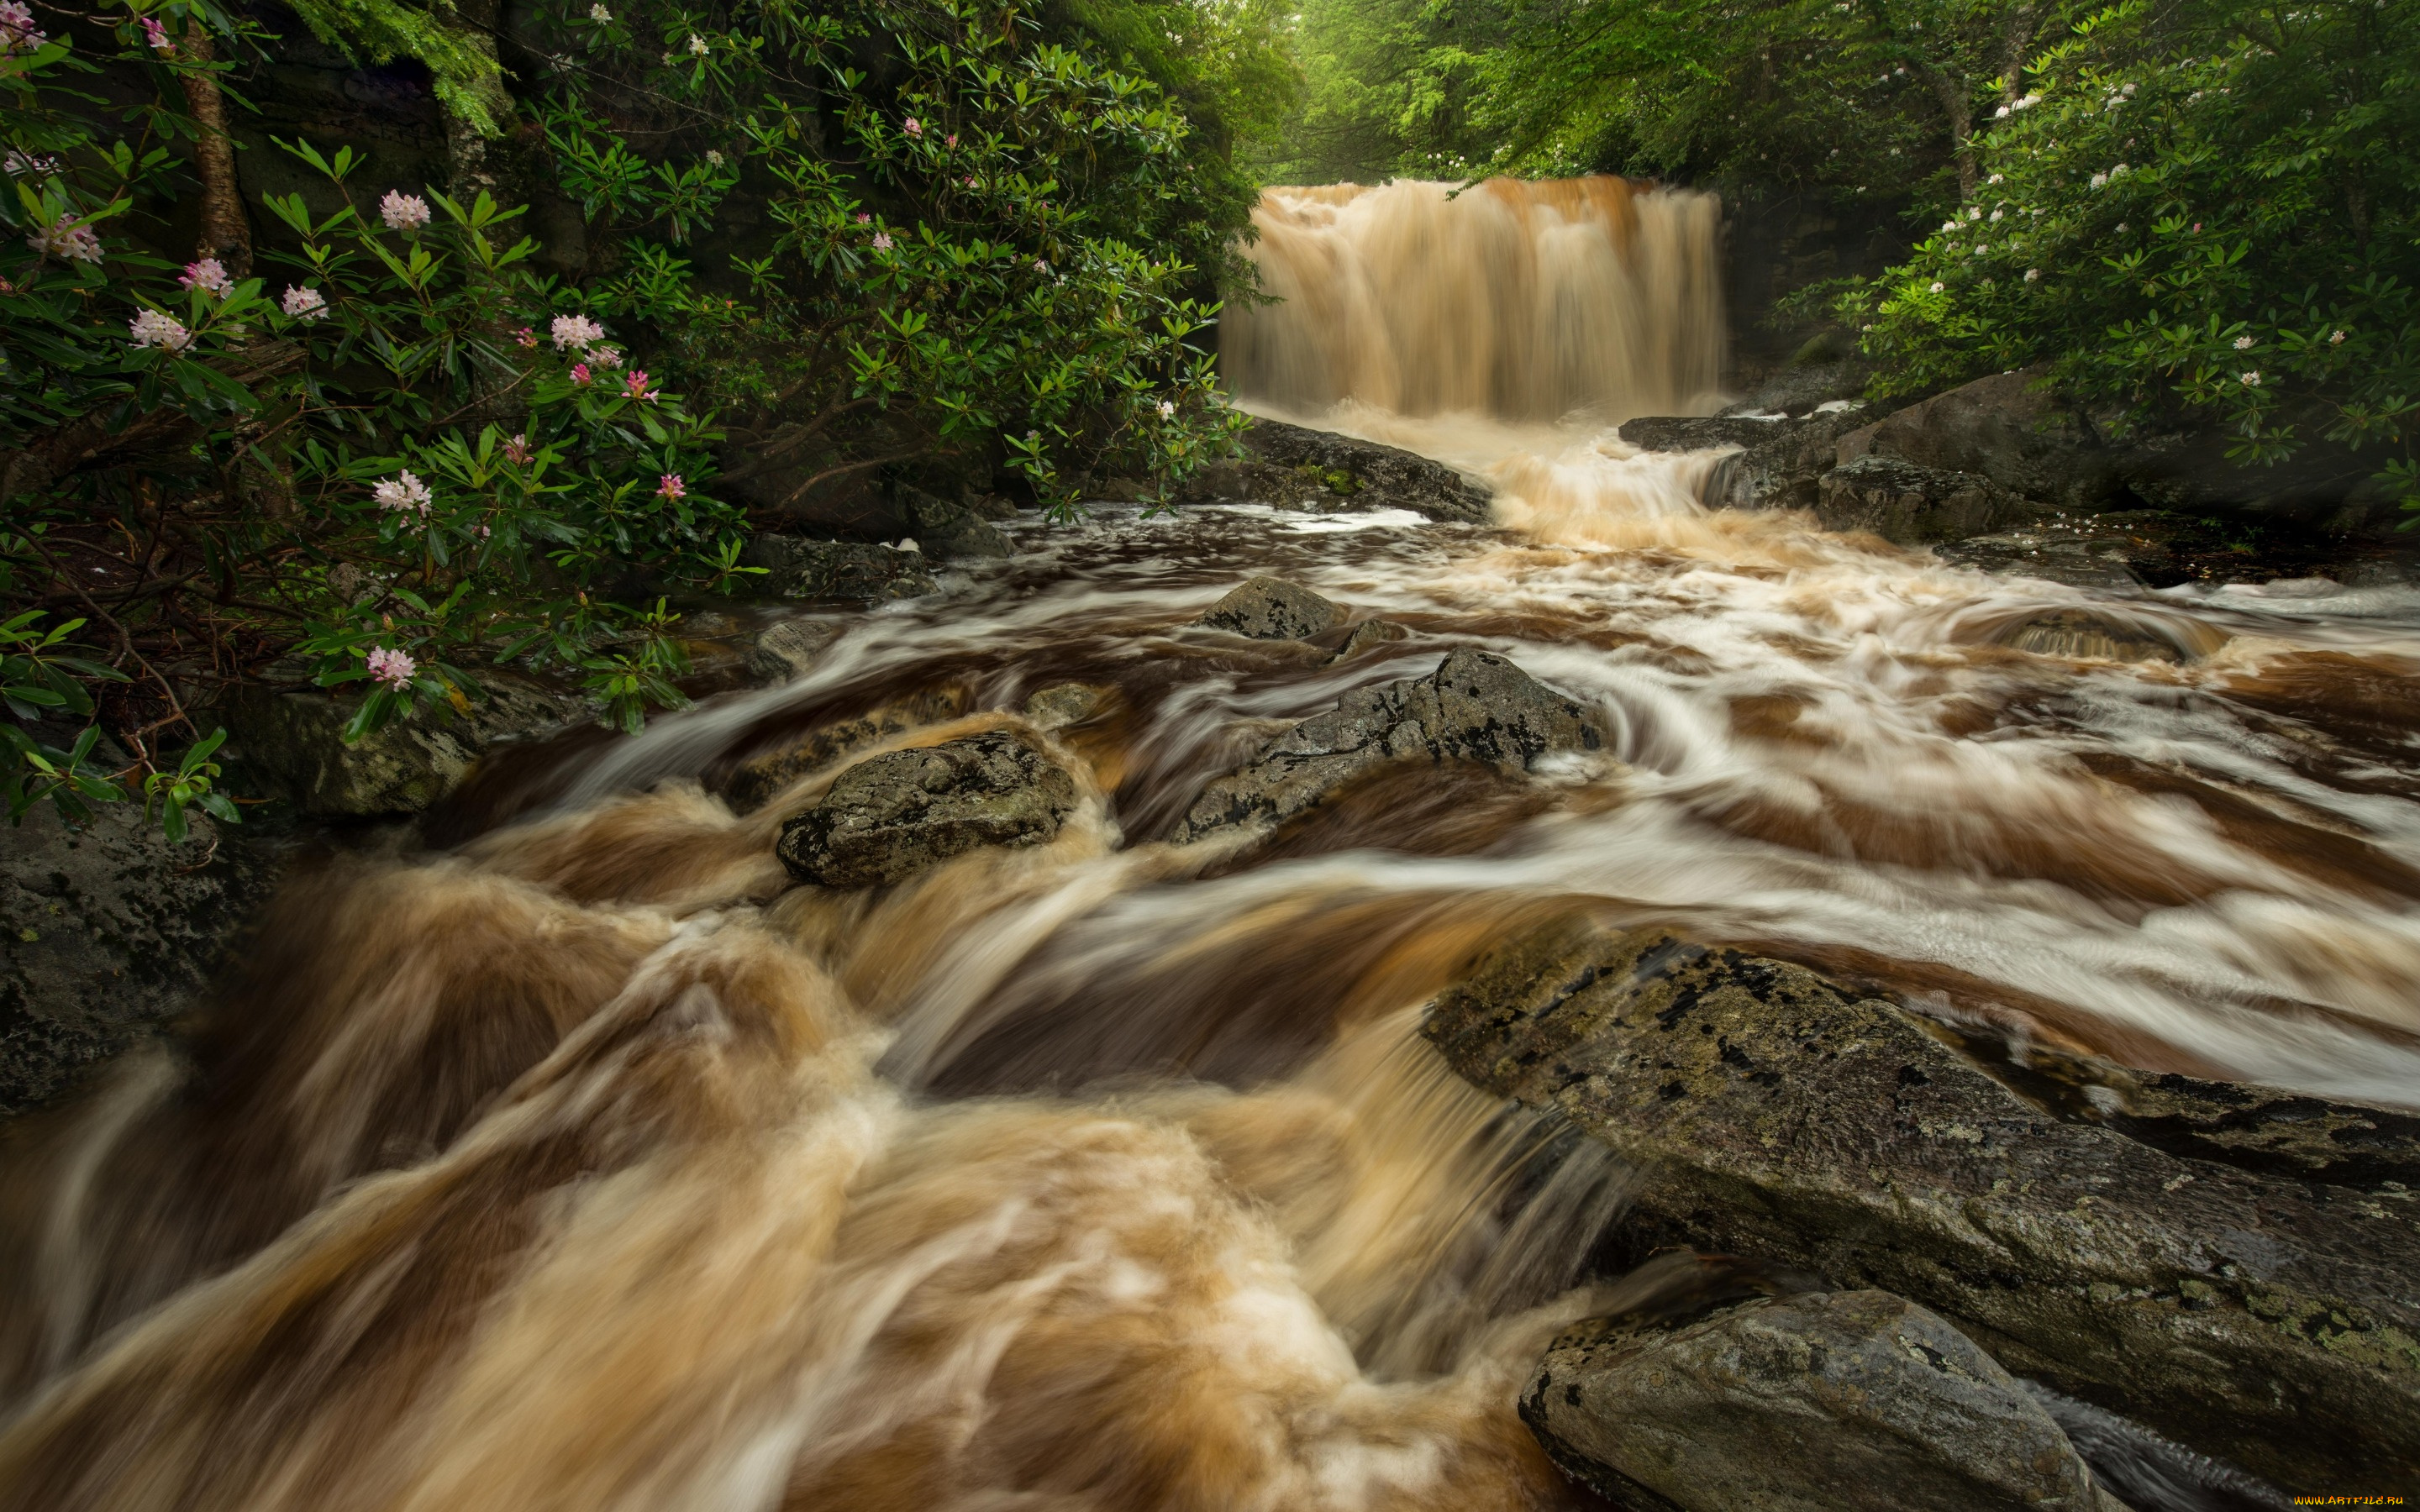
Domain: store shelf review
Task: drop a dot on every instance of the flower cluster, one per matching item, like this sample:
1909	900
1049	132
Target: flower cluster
393	668
208	275
305	303
602	16
575	332
17	32
670	488
697	44
404	493
157	36
403	212
68	238
154	328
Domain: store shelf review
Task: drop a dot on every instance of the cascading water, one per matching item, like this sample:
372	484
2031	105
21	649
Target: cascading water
1570	298
587	1163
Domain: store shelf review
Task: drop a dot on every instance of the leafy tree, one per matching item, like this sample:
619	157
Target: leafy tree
2212	216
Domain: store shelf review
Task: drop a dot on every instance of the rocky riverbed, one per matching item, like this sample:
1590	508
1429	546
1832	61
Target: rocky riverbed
1799	967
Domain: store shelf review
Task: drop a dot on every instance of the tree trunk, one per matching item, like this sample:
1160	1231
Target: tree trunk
2015	42
1961	111
226	232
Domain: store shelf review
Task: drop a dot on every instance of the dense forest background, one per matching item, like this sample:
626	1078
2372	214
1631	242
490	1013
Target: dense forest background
370	343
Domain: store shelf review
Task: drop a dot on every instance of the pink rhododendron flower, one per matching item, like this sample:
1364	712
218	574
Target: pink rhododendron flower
208	275
914	126
305	303
670	488
393	668
881	242
604	357
517	451
17	32
636	385
951	140
581	375
157	36
526	336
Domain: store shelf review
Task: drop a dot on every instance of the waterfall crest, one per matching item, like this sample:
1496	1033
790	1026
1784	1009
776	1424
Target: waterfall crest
1572	299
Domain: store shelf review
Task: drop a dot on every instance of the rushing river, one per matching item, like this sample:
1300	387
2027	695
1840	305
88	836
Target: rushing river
588	1165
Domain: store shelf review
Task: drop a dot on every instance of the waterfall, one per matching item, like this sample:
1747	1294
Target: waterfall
1569	299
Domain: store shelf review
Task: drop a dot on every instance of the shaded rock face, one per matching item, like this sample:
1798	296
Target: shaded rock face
293	743
110	931
892	816
1783	464
2008	428
1295	464
1775	1116
2080	557
1476	707
1271	608
800	567
754	782
1813	1402
1911	505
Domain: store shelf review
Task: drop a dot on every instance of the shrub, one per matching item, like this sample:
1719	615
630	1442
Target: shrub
2214	221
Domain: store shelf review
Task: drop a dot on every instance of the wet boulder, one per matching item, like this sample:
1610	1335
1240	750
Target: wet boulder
1700	433
1773	1114
1476	707
2080	558
1911	505
892	816
291	742
112	930
950	532
781	651
2008	427
1272	609
1783	464
1292	463
798	566
753	782
1369	636
1810	1403
1060	704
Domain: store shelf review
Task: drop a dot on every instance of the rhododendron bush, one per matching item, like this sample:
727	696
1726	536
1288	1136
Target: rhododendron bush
365	438
2210	217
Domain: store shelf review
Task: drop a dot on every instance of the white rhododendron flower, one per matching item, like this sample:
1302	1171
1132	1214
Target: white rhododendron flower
210	275
393	668
576	331
403	211
154	329
305	303
403	493
68	240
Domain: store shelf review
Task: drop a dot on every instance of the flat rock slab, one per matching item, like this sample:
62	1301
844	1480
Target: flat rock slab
1272	609
1821	1403
1475	707
892	816
1772	1115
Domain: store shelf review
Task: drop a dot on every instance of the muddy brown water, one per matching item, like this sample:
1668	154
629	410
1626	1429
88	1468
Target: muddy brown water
581	1162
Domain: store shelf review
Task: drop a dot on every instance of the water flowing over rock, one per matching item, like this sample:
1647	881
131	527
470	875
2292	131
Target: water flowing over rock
295	742
892	816
1271	608
2080	633
1476	707
1808	1403
1778	1116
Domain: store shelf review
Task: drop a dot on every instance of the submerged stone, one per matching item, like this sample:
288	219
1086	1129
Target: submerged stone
892	816
1808	1403
2083	636
1773	1115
